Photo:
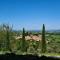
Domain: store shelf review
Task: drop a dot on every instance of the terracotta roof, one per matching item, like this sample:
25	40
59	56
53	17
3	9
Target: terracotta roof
32	37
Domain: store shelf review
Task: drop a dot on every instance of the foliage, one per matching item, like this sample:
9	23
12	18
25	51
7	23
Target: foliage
6	37
51	41
23	43
43	41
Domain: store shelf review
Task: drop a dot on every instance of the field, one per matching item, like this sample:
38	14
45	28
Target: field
53	43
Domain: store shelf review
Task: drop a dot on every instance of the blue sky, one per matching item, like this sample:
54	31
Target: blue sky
30	14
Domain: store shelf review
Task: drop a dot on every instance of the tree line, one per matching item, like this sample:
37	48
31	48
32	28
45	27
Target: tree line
6	37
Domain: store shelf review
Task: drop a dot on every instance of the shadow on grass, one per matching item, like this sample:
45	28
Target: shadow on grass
12	56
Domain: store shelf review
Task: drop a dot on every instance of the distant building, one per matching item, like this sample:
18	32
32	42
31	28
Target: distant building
31	37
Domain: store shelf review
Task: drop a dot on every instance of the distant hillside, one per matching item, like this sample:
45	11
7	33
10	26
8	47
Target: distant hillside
57	31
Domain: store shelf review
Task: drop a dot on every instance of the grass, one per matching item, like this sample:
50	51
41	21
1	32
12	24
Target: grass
50	54
40	54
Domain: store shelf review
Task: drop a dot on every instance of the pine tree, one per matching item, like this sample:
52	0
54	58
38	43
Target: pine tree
43	41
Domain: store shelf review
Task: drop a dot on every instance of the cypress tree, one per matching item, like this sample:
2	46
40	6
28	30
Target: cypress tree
23	34
43	41
23	41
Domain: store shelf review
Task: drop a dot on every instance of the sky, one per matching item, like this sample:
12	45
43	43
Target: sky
30	14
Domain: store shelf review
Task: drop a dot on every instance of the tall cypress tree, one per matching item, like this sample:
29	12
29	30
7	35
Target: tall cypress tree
43	41
23	42
23	34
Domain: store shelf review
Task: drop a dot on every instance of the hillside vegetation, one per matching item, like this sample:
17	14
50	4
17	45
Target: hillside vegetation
48	42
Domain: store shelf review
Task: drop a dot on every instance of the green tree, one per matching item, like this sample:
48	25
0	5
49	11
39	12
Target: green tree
23	42
7	30
8	36
43	41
